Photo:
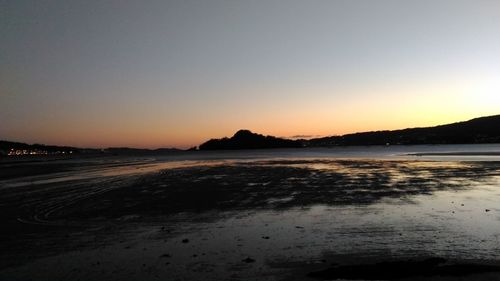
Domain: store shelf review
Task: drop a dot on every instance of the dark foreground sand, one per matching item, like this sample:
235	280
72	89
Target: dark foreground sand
292	219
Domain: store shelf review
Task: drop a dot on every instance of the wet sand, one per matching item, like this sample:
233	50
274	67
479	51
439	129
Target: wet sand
271	219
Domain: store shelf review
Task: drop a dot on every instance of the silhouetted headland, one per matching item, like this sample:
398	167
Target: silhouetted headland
244	139
475	131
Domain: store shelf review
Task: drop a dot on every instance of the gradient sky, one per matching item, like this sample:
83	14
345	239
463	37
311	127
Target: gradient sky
175	73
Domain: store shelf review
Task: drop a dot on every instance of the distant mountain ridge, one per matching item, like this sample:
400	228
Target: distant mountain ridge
139	151
478	130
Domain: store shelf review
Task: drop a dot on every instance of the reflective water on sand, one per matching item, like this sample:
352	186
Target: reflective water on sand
242	218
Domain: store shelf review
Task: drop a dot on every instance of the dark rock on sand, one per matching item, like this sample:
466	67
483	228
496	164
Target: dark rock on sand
248	260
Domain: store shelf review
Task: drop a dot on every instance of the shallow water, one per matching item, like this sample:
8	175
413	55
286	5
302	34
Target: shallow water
125	218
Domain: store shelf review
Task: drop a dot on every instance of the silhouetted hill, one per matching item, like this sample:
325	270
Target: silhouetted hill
245	139
478	130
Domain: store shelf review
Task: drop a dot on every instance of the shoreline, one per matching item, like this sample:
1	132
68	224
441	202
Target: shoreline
465	153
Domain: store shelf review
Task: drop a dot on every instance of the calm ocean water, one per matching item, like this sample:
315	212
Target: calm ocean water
391	151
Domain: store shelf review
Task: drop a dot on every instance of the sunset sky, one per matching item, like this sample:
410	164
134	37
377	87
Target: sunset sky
175	73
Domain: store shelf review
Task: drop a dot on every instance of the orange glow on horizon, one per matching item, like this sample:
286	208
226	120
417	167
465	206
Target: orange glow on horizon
147	137
376	106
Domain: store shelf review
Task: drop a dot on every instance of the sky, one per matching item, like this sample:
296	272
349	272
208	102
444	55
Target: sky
176	73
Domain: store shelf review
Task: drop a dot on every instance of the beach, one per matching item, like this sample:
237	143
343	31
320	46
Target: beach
264	216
